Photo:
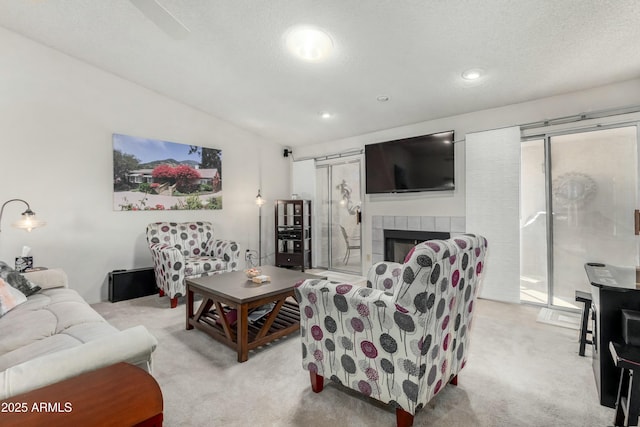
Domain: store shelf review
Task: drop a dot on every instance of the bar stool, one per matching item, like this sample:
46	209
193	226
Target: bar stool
627	358
585	298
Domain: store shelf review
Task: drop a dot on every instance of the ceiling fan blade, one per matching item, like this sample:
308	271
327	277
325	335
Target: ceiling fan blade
160	16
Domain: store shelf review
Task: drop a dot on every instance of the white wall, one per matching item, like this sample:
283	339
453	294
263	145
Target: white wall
452	203
57	115
305	185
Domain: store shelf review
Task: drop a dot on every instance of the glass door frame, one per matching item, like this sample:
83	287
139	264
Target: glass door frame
549	198
328	212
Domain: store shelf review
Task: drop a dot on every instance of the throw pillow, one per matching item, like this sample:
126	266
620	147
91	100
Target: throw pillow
10	297
17	280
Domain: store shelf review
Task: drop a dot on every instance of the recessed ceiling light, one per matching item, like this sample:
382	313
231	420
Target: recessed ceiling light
383	98
308	43
472	74
325	115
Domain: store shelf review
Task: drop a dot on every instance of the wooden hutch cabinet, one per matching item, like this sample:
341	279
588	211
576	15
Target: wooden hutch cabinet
293	233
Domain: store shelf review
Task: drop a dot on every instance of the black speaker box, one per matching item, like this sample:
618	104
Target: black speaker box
631	327
129	284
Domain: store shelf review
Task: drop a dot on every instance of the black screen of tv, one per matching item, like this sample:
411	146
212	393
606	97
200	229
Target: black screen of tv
420	163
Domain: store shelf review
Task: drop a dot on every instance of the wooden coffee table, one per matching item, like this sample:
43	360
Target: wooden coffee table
225	292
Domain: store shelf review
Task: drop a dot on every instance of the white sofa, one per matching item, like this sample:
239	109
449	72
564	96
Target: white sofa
56	335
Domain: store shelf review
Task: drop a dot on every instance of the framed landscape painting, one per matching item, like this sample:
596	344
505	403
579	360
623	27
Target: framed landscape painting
150	174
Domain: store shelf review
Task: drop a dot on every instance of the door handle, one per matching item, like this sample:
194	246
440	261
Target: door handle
636	217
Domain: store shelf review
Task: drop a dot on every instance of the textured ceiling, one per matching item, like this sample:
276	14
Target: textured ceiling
233	64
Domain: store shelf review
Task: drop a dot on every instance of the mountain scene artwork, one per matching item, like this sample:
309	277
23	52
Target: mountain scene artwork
150	174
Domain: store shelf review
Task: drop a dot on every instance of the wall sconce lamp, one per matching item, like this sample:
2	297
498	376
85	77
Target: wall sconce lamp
28	221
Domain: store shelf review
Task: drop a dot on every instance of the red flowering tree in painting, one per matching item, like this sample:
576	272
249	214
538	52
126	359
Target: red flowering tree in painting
164	173
187	179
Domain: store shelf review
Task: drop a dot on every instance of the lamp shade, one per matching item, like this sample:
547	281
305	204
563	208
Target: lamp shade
28	221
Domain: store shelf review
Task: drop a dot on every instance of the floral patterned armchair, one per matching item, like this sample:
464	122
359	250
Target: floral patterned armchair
405	336
185	250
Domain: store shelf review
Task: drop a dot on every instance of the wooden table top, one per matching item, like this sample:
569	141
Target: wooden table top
237	287
117	395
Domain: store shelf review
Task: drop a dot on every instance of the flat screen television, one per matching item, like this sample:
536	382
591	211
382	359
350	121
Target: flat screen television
420	163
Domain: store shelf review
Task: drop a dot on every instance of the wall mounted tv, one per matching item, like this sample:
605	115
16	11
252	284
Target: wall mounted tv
420	163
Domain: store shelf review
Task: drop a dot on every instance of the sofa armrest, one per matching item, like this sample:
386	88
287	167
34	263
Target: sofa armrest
227	250
384	276
50	278
133	345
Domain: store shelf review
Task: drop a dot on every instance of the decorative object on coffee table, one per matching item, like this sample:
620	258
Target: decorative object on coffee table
253	272
226	293
261	279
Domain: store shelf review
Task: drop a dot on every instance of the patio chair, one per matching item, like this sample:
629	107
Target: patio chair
351	244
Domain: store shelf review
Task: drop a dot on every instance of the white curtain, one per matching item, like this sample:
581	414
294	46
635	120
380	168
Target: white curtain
493	207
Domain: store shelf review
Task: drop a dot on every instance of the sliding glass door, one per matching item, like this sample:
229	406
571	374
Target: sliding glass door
589	180
337	211
594	194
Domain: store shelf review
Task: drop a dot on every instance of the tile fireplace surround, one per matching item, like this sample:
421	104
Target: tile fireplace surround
452	224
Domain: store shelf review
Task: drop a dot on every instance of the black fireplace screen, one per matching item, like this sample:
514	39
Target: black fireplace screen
398	243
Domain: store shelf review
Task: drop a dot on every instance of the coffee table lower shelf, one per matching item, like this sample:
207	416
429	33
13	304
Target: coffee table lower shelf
243	336
288	316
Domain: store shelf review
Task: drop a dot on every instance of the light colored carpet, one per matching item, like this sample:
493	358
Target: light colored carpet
520	373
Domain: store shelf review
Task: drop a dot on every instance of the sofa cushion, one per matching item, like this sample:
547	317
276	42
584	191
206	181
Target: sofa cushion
35	349
202	265
16	280
48	322
10	297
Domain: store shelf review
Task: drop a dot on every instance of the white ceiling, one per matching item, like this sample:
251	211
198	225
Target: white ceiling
233	64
